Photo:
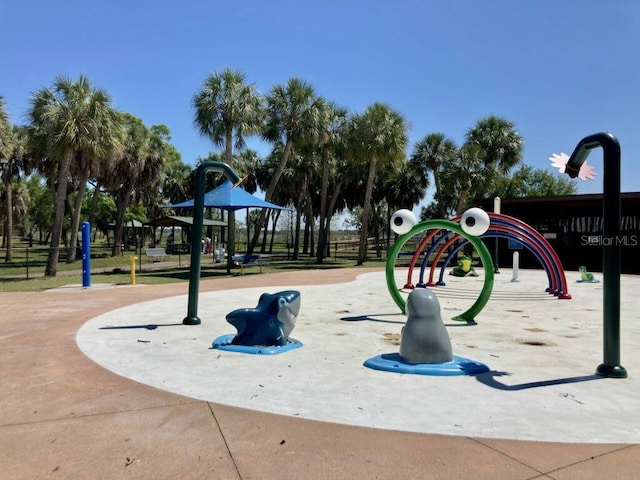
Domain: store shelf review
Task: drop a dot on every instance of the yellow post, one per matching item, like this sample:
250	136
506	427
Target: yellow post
133	269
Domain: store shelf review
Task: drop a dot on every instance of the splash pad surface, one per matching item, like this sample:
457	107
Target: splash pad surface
542	353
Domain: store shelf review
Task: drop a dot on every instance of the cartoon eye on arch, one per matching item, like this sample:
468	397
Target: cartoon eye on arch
402	221
475	221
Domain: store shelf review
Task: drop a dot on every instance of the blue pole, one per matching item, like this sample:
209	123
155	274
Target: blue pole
86	254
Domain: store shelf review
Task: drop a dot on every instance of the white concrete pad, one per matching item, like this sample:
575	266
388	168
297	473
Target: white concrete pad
542	353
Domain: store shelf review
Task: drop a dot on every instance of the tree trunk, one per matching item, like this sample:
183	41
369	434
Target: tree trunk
260	224
275	215
309	221
439	205
60	202
366	210
324	189
94	202
305	236
323	236
296	237
461	201
123	198
8	232
75	220
263	246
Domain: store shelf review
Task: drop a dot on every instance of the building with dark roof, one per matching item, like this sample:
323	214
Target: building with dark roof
573	226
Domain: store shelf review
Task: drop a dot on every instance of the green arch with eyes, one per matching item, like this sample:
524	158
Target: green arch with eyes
487	288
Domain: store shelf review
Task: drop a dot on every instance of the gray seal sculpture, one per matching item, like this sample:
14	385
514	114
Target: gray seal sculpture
424	337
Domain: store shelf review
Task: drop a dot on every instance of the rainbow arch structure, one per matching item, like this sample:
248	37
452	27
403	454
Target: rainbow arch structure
501	226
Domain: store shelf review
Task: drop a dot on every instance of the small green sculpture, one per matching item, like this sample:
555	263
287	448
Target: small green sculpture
464	268
586	277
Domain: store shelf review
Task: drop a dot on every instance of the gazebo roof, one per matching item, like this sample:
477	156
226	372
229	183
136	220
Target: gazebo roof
179	221
228	197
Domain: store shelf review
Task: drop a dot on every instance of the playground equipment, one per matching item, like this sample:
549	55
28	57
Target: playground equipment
198	215
610	367
464	268
501	226
264	327
270	323
586	277
425	347
516	267
471	224
424	336
451	235
132	265
86	254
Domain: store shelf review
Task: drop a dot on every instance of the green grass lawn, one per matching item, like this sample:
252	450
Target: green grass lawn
116	270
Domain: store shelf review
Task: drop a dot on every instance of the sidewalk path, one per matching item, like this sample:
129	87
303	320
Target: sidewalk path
64	416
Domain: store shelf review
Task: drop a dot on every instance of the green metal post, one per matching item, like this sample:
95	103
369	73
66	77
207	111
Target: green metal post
196	235
610	244
496	209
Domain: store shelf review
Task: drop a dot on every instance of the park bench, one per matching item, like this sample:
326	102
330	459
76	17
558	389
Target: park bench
248	261
156	253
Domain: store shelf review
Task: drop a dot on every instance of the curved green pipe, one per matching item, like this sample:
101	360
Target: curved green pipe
470	314
611	260
196	234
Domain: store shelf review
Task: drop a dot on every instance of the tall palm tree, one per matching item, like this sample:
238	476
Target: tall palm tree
379	135
226	110
331	139
431	153
6	173
68	118
500	143
87	163
404	190
464	175
293	115
139	166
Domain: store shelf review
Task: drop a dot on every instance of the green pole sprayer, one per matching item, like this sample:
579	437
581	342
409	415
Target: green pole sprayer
610	246
196	234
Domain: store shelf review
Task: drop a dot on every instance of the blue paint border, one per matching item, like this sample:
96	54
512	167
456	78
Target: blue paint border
393	362
223	342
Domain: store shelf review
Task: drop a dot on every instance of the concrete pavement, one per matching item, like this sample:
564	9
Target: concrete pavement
65	416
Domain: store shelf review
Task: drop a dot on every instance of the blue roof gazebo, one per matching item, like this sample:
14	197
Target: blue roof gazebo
231	198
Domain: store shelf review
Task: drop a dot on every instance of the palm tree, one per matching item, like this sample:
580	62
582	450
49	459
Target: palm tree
140	165
331	138
227	109
379	135
176	186
70	117
464	175
293	114
87	163
404	190
500	143
430	154
6	172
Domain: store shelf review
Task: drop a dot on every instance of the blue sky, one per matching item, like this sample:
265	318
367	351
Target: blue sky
558	69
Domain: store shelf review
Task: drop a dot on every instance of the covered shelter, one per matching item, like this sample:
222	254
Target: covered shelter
182	222
229	197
